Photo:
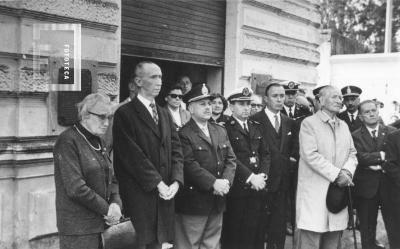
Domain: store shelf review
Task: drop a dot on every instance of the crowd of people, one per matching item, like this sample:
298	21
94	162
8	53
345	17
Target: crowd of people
189	175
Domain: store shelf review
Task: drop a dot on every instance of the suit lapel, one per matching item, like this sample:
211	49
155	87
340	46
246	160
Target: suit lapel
269	127
381	137
214	137
283	128
145	116
164	123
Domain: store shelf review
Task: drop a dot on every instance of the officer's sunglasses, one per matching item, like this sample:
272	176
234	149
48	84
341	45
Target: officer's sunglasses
174	96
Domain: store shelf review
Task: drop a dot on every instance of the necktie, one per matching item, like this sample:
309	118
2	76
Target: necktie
276	124
246	129
154	110
290	112
351	118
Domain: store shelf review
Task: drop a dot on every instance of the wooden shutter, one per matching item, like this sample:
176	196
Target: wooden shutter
180	30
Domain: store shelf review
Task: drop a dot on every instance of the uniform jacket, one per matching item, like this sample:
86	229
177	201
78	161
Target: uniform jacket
252	155
84	185
299	114
204	162
144	155
221	120
352	126
367	181
280	152
324	150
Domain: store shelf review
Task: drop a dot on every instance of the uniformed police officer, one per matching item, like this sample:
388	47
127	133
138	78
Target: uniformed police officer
351	99
290	107
209	170
243	225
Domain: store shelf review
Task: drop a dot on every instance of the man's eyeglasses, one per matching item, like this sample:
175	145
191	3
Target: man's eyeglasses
174	96
256	105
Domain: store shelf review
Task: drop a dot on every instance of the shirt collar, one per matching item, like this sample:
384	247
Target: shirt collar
327	118
373	129
241	122
271	114
201	126
354	114
174	111
145	101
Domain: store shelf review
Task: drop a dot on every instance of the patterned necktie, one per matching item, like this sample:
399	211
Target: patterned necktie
154	110
290	112
351	118
276	124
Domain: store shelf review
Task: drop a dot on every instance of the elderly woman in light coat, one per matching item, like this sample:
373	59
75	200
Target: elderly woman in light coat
327	154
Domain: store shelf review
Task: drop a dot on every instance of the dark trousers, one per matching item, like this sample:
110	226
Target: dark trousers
291	196
367	211
276	226
243	225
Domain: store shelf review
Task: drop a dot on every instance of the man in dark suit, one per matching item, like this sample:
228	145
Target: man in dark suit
280	133
148	160
351	99
297	113
243	225
370	183
209	169
392	171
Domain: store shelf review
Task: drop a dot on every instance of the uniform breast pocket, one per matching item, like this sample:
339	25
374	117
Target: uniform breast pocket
200	152
223	147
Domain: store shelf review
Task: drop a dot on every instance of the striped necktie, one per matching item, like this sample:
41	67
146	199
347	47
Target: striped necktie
154	110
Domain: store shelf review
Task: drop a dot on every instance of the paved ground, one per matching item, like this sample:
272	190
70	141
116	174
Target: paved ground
348	241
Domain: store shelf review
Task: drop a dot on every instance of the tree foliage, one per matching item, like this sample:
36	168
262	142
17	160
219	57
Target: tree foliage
361	20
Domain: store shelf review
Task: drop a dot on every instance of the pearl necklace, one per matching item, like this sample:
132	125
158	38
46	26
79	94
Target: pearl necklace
96	149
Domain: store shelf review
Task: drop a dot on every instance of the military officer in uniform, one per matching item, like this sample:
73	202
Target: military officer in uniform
290	108
209	170
351	99
243	225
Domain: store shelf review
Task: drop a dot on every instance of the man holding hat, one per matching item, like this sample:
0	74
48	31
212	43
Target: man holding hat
243	225
351	99
209	170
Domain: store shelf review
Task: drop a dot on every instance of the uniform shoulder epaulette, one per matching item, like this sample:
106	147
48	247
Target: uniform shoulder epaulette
218	124
254	122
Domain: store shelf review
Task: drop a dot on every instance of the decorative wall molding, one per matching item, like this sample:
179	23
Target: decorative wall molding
54	18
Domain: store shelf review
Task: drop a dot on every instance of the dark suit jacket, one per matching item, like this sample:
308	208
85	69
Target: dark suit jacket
392	165
280	152
83	192
205	161
367	181
352	126
144	155
247	146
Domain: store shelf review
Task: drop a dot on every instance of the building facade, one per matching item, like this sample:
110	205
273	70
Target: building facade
224	43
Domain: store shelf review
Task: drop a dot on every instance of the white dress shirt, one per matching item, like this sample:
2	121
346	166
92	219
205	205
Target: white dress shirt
241	123
271	116
354	115
146	103
176	116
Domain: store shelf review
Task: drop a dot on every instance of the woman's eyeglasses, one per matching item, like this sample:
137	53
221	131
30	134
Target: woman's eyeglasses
174	96
256	105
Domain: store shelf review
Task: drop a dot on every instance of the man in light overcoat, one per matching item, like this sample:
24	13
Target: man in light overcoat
327	154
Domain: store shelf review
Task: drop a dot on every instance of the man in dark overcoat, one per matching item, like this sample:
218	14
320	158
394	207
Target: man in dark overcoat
209	169
280	132
148	160
370	182
244	225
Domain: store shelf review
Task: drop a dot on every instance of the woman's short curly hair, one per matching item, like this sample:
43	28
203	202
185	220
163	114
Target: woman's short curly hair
89	102
224	102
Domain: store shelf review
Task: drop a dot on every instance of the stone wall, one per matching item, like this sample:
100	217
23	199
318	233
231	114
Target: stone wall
276	38
28	124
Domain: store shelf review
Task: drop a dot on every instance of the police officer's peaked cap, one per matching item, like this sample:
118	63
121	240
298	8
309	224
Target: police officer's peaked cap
240	94
351	91
290	86
198	92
